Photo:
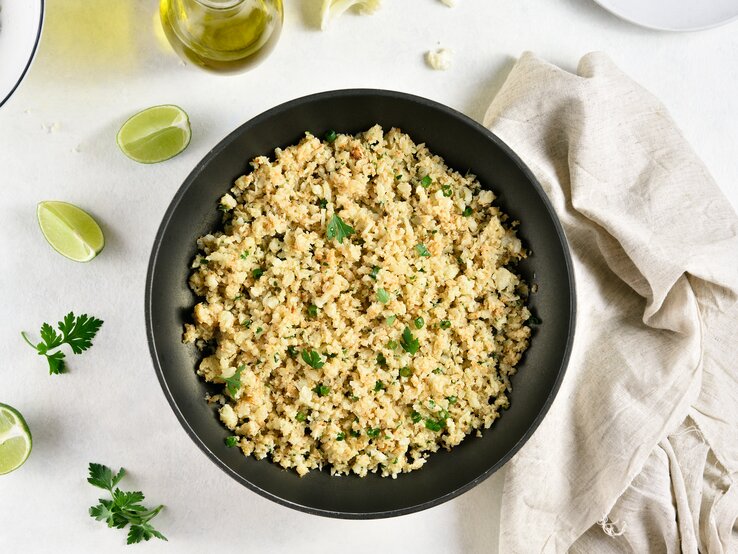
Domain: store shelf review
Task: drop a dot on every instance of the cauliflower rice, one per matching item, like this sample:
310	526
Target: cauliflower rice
366	341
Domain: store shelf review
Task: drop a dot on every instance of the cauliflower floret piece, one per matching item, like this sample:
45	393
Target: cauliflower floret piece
439	59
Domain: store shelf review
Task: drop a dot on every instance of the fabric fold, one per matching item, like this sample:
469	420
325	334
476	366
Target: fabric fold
655	251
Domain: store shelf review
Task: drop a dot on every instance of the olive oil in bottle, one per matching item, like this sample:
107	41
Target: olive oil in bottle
224	36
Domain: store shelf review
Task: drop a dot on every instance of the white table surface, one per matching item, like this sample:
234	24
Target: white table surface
99	62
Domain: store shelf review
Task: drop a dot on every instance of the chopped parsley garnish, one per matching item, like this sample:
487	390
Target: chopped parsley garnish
312	358
203	261
256	273
405	372
381	360
408	342
340	436
292	351
259	330
77	332
230	442
422	250
419	322
372	432
434	425
233	383
378	386
438	370
313	310
382	295
301	416
445	324
451	400
447	191
467	211
373	273
355	433
321	390
247	323
124	508
338	230
322	203
533	320
425	182
245	254
391	320
392	344
398	177
331	136
415	416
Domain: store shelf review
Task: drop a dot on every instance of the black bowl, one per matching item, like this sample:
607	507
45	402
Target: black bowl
464	145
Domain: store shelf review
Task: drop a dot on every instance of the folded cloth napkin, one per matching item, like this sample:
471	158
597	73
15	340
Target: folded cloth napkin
639	452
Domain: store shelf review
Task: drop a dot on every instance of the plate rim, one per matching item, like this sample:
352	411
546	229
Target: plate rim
41	18
607	5
187	183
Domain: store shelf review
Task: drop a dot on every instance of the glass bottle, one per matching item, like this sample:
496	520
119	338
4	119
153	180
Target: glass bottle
224	36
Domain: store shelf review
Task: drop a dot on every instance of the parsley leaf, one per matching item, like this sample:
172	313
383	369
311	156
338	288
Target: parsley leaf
408	342
124	508
312	358
425	182
374	272
233	383
338	229
382	296
76	332
422	250
321	390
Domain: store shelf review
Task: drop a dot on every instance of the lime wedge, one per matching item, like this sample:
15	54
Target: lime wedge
70	231
15	439
155	134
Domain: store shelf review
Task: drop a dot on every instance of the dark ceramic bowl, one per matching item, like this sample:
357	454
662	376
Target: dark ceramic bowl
464	145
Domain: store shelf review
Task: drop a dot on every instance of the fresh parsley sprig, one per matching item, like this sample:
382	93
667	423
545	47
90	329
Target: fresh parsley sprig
77	332
338	229
124	508
409	343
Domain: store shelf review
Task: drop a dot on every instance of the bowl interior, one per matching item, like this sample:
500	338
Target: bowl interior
465	146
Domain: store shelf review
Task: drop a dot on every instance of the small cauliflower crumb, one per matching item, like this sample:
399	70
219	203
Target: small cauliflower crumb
449	3
439	59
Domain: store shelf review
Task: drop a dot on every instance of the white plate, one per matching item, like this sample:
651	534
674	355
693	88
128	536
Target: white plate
674	15
20	31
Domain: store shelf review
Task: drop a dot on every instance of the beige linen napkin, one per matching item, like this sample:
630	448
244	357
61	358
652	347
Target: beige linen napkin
639	452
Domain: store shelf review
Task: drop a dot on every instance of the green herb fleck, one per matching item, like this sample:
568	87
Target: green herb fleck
331	136
392	344
301	416
256	273
408	342
338	230
381	360
438	370
398	177
312	358
233	383
373	433
447	191
451	400
425	182
433	424
247	323
322	203
405	372
378	386
313	310
321	390
467	211
245	254
292	351
415	416
340	436
445	324
391	320
419	322
374	272
355	433
259	330
422	250
533	320
231	441
382	295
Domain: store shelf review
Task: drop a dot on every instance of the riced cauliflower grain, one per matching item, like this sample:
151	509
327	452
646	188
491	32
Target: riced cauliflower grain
330	375
439	59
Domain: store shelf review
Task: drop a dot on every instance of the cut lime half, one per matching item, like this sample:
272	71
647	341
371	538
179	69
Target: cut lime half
70	230
15	439
155	134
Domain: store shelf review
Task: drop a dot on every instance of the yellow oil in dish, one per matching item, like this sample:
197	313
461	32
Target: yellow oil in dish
224	36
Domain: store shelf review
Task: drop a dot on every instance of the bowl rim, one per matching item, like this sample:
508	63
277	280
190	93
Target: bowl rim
34	51
188	182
